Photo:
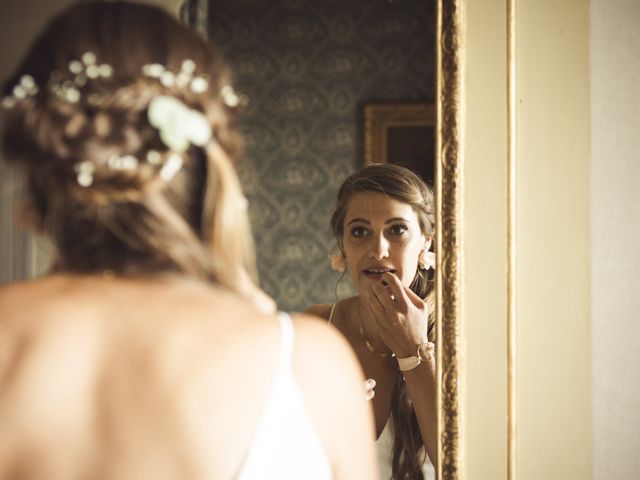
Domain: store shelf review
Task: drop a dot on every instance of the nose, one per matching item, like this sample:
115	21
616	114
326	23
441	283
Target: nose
379	248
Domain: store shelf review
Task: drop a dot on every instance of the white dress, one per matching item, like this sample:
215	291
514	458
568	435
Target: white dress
286	445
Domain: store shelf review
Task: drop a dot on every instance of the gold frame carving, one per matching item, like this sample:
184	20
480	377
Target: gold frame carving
379	117
449	168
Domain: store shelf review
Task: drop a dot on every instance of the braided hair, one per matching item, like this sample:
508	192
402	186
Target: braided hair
77	125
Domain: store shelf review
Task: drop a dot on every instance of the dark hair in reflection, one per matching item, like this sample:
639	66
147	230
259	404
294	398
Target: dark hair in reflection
132	221
401	184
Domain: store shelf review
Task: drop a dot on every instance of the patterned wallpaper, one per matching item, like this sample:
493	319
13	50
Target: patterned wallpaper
308	67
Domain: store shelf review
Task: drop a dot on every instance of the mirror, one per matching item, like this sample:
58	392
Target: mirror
309	69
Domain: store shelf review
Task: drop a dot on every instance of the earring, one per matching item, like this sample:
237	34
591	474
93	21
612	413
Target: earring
338	262
427	259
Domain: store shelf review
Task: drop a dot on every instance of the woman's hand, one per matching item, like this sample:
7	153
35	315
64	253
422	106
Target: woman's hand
401	315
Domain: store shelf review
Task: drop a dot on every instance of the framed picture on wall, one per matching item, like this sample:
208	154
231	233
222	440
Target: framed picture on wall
401	133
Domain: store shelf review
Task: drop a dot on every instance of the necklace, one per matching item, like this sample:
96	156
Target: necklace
367	342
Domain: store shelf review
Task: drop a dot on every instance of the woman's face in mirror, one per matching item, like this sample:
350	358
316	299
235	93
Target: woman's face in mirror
380	234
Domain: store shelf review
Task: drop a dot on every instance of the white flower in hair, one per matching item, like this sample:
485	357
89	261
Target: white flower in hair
179	125
338	262
427	259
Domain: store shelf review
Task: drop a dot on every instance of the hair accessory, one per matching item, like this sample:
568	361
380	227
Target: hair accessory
171	167
179	125
85	173
427	259
82	70
338	262
231	98
154	157
184	78
26	87
125	162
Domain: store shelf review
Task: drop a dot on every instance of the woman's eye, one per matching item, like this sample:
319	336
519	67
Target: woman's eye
397	229
358	232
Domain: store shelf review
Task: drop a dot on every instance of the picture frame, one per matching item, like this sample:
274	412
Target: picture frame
403	134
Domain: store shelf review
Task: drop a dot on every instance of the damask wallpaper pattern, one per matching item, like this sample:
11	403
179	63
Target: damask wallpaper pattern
308	67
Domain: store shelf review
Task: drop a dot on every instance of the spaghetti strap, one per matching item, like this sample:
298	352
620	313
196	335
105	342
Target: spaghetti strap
286	341
285	444
333	307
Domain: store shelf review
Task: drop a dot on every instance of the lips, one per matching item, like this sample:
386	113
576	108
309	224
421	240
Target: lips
376	272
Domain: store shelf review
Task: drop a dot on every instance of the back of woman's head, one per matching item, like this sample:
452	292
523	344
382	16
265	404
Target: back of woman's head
118	116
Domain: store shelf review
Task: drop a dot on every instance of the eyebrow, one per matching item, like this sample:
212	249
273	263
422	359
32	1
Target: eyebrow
391	220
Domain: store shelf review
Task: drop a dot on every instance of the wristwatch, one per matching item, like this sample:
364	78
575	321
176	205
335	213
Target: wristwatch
423	352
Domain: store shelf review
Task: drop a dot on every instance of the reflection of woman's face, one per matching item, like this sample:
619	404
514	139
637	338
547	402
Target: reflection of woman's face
380	234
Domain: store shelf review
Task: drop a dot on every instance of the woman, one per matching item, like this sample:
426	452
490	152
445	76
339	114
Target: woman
142	354
384	224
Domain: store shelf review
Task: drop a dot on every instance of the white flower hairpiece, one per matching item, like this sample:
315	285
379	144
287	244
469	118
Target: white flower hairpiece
338	262
25	88
179	125
427	259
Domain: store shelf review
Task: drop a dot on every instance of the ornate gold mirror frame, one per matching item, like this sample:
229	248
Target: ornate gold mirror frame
449	157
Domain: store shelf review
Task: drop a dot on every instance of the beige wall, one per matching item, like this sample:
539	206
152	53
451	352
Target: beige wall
484	237
553	245
553	388
615	233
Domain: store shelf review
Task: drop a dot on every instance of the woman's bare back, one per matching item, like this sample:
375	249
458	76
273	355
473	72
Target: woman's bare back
165	378
129	378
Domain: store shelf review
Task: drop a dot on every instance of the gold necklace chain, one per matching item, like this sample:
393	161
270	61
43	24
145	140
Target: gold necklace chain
367	342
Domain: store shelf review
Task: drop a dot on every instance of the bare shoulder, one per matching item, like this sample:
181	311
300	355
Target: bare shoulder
322	310
312	326
18	299
12	293
332	383
323	354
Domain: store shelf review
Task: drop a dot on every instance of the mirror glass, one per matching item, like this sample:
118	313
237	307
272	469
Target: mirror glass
311	71
308	70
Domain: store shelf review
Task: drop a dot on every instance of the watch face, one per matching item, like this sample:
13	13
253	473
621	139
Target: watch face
426	351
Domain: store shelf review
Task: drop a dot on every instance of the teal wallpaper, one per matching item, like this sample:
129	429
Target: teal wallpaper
308	67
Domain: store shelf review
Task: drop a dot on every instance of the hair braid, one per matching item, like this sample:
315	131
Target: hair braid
129	220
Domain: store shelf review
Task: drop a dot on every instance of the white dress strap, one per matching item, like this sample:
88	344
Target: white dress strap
286	341
333	307
285	445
